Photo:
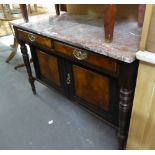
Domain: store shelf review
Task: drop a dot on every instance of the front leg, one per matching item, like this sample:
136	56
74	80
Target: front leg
27	64
127	81
125	105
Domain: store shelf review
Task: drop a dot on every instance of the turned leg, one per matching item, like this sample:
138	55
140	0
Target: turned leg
109	21
35	7
27	64
14	51
57	9
30	9
127	76
125	105
141	13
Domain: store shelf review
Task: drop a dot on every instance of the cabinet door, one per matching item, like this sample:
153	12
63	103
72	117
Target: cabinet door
48	68
91	87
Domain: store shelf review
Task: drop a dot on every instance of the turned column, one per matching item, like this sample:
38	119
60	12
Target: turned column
125	104
27	64
109	21
127	76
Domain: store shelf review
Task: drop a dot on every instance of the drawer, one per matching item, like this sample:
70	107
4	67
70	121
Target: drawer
34	38
83	55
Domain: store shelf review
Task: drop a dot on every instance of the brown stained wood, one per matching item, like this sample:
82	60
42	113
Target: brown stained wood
123	11
99	61
46	42
63	7
24	12
91	87
49	67
141	13
109	21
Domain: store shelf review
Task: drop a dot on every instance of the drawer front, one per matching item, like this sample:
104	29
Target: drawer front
82	55
34	38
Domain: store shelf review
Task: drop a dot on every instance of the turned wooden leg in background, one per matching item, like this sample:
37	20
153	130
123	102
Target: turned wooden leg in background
22	65
35	7
27	64
127	85
141	13
14	51
57	9
29	9
24	12
109	21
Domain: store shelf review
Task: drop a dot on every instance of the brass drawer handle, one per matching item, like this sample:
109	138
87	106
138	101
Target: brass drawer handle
31	37
80	55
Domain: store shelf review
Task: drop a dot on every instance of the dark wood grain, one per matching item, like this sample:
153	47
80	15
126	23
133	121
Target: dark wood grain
48	67
92	87
94	59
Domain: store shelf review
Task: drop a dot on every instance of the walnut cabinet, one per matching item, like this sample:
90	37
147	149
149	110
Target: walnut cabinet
102	84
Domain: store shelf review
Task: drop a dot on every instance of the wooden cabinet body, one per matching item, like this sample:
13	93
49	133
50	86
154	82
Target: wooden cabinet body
93	89
99	83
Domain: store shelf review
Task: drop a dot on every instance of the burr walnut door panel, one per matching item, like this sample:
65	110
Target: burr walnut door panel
91	87
48	66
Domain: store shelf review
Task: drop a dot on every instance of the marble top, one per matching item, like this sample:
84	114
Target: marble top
87	32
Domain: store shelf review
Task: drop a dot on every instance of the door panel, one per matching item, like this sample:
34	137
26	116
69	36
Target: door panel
48	65
91	87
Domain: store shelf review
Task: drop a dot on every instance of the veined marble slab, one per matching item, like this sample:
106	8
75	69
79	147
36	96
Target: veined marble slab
87	32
